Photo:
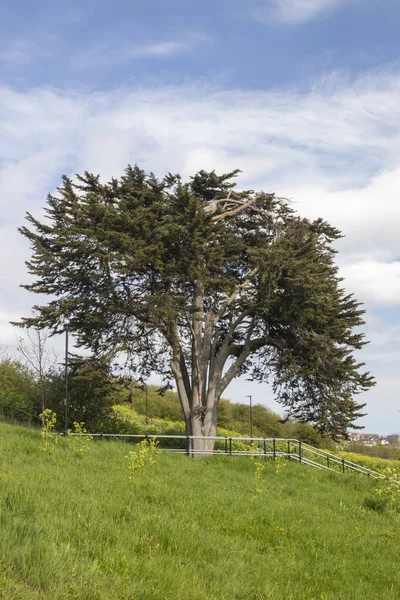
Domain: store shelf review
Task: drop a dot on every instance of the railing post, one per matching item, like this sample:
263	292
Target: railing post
226	445
274	447
230	445
300	452
187	445
343	464
288	449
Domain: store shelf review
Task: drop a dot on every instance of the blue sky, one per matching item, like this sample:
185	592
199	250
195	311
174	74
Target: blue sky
302	95
246	43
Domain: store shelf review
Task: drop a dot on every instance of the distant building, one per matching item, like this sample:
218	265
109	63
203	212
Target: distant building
368	439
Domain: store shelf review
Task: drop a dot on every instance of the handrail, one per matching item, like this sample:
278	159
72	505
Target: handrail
296	450
343	461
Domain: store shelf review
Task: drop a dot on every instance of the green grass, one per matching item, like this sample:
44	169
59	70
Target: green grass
372	462
185	529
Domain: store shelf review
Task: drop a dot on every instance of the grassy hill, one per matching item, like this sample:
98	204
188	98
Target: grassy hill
185	529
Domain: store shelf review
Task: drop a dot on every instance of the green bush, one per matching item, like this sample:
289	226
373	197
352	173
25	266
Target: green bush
90	388
236	417
370	462
165	406
18	398
127	421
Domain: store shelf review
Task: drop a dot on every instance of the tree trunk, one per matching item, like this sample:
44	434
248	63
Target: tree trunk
200	386
197	426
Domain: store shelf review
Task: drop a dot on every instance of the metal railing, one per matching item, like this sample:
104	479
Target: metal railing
288	448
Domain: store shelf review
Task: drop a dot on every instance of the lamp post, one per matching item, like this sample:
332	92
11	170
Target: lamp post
251	416
66	380
144	385
147	405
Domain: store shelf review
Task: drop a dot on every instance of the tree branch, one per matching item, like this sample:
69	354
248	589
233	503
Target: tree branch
234	294
231	213
179	368
243	352
197	345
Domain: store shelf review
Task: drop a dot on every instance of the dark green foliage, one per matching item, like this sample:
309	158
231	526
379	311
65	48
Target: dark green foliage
90	394
18	398
203	283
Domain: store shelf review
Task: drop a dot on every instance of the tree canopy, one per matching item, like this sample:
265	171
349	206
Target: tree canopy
201	282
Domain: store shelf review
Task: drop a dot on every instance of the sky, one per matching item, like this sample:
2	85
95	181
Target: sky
302	95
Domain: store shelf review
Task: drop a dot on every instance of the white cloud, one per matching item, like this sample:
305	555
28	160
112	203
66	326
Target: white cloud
161	49
113	53
294	11
19	53
377	283
334	150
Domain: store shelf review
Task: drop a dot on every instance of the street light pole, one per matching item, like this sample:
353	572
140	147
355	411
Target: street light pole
144	386
251	416
147	405
66	381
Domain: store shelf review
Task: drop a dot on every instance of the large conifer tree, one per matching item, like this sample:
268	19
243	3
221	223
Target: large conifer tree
203	283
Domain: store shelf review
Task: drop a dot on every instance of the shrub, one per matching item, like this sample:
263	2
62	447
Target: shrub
79	444
388	489
144	456
18	400
126	420
89	393
49	423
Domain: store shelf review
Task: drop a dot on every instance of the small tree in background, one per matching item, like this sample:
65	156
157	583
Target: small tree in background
204	283
90	393
40	359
